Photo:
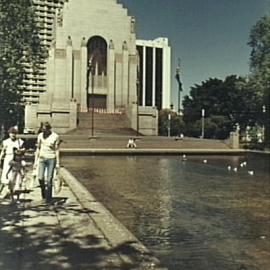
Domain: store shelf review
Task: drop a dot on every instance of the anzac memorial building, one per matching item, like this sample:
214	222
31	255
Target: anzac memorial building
96	64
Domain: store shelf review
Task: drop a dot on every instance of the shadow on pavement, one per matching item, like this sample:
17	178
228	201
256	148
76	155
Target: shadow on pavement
49	237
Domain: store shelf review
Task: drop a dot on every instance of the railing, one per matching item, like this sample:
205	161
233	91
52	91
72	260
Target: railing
103	111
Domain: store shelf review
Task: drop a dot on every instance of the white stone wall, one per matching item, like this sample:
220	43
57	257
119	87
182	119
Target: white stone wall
163	44
110	21
148	121
74	25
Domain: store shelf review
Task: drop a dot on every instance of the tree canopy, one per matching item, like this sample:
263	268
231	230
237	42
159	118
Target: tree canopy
259	41
175	123
19	45
226	103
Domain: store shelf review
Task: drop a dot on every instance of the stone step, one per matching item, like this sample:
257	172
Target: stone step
101	132
103	124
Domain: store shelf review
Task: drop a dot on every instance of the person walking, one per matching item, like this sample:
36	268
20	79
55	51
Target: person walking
7	154
36	168
47	159
16	173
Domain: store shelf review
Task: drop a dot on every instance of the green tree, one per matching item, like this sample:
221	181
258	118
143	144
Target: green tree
226	103
19	45
215	127
177	125
259	41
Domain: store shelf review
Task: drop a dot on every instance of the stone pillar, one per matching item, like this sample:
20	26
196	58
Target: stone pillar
234	140
166	84
30	111
73	114
83	103
154	79
132	98
69	68
125	88
118	80
50	76
144	77
61	93
111	78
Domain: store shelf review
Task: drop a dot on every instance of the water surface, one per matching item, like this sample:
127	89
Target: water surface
193	214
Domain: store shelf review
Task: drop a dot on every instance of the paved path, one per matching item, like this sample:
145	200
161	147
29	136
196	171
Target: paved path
75	232
143	142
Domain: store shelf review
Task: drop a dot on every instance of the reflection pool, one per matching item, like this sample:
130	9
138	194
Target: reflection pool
194	214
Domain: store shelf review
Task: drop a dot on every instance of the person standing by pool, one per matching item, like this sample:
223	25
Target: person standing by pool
7	154
47	159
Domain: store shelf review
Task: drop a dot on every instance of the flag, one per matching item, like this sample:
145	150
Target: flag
177	77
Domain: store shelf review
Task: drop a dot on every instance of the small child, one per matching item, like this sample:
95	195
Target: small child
16	172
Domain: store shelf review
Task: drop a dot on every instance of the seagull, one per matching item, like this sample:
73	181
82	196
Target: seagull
251	172
229	168
205	161
235	169
184	157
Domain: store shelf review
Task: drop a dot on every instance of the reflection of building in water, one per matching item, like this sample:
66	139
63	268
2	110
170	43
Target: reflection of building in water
93	63
160	198
150	186
165	195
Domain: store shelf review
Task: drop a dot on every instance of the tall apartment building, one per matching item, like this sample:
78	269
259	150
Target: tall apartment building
46	14
92	62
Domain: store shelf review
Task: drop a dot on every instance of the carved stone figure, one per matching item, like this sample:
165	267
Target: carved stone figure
125	46
69	41
83	42
111	45
133	25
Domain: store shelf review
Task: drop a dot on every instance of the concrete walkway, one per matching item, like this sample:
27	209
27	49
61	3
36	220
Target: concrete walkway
74	232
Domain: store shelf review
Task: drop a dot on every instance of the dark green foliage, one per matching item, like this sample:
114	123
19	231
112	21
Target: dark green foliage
217	127
176	123
19	44
226	103
259	42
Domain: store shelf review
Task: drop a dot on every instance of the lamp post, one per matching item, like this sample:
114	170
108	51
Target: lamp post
169	125
90	75
137	107
93	101
138	86
203	114
177	77
88	72
263	125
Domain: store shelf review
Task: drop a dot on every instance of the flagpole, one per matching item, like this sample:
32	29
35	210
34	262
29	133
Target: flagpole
177	77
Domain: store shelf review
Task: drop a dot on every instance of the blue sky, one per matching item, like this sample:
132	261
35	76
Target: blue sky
209	36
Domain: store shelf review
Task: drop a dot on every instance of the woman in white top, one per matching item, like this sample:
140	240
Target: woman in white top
8	154
47	159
